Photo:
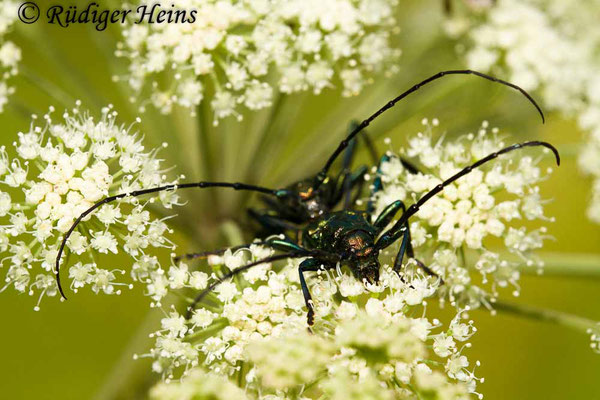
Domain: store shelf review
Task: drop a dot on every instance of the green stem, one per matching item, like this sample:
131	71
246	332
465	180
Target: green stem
50	88
206	150
575	265
201	334
571	321
265	136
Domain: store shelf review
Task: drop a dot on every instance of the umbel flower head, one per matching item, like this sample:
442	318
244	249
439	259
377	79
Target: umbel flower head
199	385
473	232
241	53
56	171
367	341
354	363
10	54
511	39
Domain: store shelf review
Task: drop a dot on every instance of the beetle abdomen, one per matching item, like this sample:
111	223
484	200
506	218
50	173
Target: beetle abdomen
330	233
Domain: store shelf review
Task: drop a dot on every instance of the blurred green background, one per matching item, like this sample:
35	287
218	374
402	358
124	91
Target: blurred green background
82	349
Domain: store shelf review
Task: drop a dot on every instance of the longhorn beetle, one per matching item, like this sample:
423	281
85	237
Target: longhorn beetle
349	237
346	236
290	213
308	199
282	215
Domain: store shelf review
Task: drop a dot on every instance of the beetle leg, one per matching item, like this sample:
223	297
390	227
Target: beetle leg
344	189
357	179
404	245
272	224
377	184
387	239
427	270
406	248
388	214
370	146
295	254
310	264
351	150
383	220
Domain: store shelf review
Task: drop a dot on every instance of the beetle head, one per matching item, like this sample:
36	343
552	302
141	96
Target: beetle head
307	201
367	270
365	265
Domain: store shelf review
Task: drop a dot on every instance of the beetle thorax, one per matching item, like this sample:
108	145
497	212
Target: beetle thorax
360	243
309	202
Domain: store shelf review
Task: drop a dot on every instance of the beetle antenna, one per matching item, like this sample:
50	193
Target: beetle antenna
389	237
230	274
344	143
136	193
218	252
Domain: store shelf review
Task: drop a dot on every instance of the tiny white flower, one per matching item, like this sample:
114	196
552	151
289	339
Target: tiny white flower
198	280
10	54
466	213
61	168
175	324
239	45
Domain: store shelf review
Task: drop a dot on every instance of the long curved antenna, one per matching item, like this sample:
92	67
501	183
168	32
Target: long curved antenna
322	255
389	236
206	254
273	243
344	143
230	274
136	193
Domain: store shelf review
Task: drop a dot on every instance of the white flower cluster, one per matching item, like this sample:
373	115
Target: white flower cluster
57	171
10	54
199	385
290	360
512	38
252	330
241	52
475	226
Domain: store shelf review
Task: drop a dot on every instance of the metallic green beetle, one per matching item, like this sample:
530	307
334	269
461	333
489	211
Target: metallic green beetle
349	237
